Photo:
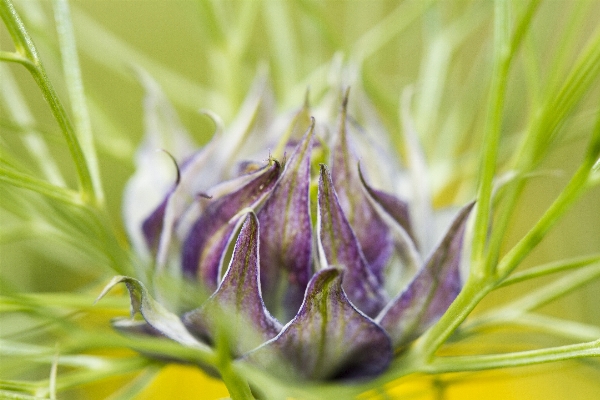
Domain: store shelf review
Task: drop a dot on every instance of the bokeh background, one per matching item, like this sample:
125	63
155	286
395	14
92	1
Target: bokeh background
206	54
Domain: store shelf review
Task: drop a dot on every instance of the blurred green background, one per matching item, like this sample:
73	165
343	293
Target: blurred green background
206	54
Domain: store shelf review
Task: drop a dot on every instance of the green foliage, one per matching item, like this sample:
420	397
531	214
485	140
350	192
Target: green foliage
502	93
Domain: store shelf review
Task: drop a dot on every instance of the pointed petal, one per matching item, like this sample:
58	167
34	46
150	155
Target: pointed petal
286	234
328	339
431	292
158	317
394	212
238	298
204	248
340	247
371	232
391	204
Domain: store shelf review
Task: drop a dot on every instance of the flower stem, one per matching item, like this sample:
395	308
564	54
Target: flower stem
29	59
505	49
551	268
516	359
74	83
474	290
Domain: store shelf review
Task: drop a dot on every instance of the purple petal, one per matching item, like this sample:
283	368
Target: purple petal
328	339
431	292
372	233
391	204
207	241
340	247
394	212
153	225
158	227
237	305
286	235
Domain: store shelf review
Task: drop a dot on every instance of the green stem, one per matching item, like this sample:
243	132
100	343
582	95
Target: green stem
516	359
471	294
477	288
543	129
26	49
567	197
114	368
505	49
550	292
238	386
489	155
25	181
550	325
11	56
550	268
75	88
84	341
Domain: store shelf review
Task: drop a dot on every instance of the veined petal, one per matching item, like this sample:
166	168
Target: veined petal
237	304
328	339
340	247
206	243
286	235
157	316
372	233
432	291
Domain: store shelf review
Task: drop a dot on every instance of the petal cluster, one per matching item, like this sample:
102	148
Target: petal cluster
325	280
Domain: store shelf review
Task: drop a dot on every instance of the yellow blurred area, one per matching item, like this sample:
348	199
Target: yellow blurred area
551	382
546	382
183	382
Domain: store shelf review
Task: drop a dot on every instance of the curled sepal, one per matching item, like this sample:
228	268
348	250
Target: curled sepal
158	317
328	339
286	234
432	290
237	306
339	246
207	241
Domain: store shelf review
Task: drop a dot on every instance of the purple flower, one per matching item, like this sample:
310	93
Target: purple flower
325	280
